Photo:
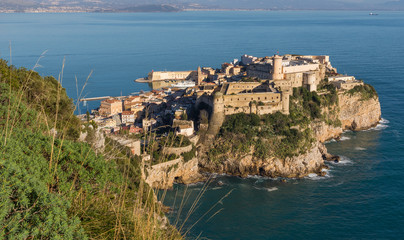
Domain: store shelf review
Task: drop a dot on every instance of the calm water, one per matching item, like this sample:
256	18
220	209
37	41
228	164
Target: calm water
362	197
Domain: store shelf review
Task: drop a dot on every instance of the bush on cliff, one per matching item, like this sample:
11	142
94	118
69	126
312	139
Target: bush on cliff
367	91
270	134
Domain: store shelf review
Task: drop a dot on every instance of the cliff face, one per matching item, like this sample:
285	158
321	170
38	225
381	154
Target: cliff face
299	166
354	113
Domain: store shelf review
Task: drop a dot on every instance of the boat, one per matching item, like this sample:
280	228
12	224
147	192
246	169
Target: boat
184	84
373	14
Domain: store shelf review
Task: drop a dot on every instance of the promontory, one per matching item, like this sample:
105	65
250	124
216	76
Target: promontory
267	116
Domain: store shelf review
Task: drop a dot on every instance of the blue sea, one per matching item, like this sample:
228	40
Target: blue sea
362	197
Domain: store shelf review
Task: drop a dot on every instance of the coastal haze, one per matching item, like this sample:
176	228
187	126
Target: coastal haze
181	5
360	197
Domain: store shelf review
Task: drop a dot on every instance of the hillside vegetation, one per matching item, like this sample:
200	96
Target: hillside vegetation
53	187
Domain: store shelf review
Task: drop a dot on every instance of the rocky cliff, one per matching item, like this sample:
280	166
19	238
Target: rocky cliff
164	175
291	167
353	113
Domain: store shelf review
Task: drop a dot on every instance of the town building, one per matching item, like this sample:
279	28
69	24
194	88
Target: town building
128	117
183	127
135	129
110	107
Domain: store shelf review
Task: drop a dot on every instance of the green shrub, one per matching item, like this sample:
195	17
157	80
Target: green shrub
367	91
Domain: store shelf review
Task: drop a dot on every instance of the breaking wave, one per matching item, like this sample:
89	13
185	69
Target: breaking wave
383	124
344	138
343	161
267	189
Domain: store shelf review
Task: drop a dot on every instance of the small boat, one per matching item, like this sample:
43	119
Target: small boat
373	14
184	84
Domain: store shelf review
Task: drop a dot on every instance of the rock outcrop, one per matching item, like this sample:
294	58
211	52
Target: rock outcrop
354	113
164	175
310	162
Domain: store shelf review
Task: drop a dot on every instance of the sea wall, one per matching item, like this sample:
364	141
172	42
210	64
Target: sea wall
177	150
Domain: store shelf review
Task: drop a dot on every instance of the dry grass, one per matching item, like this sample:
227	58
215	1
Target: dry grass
130	210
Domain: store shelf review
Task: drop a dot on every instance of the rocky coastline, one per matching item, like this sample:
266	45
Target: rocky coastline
353	112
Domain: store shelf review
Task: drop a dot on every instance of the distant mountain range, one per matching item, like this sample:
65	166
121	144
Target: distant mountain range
180	5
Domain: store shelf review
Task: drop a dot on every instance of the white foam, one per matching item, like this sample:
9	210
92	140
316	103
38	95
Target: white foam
384	121
314	176
383	124
360	149
271	189
343	161
344	138
260	178
267	189
330	141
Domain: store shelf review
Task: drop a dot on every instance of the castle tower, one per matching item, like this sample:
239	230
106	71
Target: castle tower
218	115
200	77
285	101
311	82
218	102
277	73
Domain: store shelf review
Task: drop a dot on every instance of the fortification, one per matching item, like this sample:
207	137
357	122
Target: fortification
265	85
277	72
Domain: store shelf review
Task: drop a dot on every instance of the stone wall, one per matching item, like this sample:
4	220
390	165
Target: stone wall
177	150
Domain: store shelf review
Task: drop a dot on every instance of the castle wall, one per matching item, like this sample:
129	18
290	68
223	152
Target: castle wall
178	75
247	86
260	110
244	99
295	79
261	71
301	68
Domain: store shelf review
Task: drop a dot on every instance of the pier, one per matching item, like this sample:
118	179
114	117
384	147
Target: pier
94	99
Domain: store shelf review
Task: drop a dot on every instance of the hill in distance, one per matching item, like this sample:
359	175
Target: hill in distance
179	5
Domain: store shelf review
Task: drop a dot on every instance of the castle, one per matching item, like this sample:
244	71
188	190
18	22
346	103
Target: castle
267	84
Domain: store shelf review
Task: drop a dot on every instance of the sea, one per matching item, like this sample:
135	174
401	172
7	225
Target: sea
362	197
